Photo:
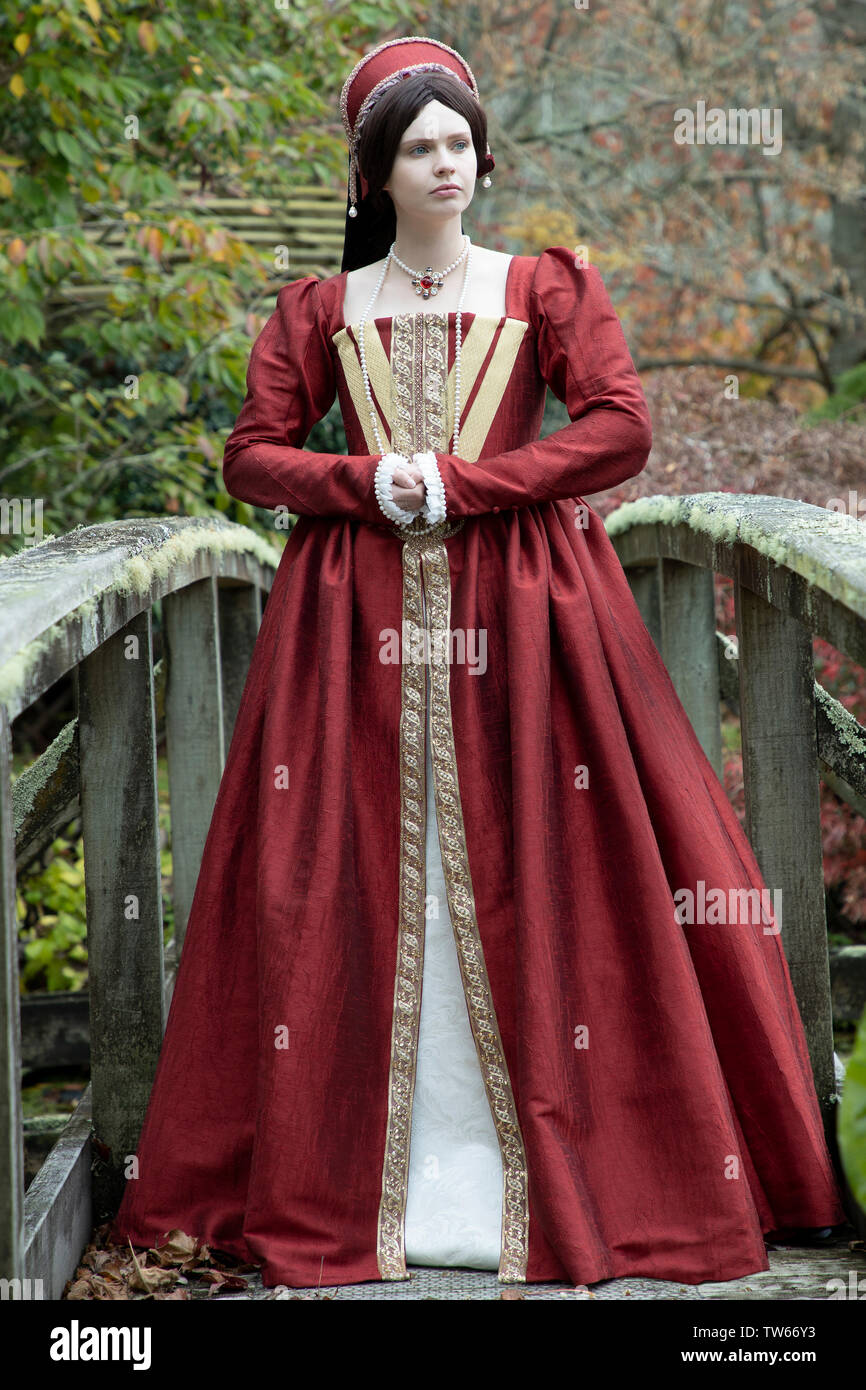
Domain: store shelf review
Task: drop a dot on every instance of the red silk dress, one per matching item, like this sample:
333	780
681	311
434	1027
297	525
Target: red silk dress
647	1081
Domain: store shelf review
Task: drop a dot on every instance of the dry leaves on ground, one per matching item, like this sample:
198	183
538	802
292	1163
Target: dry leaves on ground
166	1271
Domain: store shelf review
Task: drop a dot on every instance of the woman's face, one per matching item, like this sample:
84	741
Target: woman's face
436	148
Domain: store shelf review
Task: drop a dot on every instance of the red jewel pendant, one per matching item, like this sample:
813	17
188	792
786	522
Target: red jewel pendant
428	283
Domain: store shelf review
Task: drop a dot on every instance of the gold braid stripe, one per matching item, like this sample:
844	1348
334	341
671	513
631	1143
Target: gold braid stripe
418	354
461	904
410	946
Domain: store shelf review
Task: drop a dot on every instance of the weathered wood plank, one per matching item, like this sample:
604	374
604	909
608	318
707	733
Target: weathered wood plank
120	829
240	616
55	1029
11	1141
841	738
789	552
58	1205
194	731
61	599
689	651
45	796
780	767
646	587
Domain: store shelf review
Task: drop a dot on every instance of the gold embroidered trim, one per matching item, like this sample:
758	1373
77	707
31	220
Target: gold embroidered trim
418	344
391	1251
418	402
461	904
419	363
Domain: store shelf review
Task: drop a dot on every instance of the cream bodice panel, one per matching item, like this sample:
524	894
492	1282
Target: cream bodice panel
415	388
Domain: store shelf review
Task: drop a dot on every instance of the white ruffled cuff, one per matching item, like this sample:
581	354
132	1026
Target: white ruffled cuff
433	509
382	480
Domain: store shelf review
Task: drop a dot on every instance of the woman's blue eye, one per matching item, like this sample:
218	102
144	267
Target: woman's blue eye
424	147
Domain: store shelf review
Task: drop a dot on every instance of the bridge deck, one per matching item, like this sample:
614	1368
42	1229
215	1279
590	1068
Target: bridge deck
796	1272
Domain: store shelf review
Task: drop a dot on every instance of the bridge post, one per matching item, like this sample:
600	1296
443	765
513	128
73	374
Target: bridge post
194	733
782	795
11	1127
689	650
240	616
646	588
123	889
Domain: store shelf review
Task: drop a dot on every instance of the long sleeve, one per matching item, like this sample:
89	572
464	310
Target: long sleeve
584	359
290	386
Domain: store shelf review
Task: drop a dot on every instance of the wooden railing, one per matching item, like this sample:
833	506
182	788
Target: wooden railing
83	603
799	572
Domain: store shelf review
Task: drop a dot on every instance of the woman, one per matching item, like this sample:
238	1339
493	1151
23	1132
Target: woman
496	820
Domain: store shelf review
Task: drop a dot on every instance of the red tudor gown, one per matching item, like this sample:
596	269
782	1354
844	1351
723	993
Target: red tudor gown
649	1082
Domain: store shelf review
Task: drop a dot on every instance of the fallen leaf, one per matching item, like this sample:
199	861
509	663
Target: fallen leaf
149	1280
80	1289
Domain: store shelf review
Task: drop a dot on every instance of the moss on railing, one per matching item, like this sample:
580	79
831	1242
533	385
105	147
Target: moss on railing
776	527
181	546
134	575
844	723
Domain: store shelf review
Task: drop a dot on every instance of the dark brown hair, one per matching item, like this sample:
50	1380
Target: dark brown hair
376	225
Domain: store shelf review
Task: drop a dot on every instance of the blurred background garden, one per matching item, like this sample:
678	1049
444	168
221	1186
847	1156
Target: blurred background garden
164	169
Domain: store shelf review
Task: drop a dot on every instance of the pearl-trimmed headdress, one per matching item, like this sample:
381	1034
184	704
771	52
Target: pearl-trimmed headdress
376	72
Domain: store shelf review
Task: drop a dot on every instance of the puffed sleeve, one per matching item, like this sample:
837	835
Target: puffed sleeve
290	385
583	357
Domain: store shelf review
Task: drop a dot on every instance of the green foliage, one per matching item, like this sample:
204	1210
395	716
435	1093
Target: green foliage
851	1124
51	906
849	399
120	406
52	915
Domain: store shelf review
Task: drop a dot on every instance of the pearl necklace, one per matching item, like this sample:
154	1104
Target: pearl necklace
429	281
467	252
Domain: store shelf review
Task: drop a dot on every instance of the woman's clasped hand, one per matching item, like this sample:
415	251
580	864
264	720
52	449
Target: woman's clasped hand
408	488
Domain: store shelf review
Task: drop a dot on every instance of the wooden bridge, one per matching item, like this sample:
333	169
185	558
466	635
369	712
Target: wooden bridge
84	603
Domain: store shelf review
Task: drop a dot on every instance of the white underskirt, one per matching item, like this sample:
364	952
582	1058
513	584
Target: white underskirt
454	1201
